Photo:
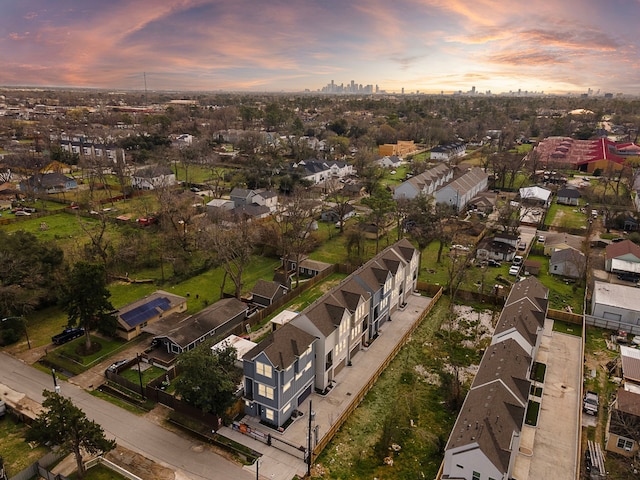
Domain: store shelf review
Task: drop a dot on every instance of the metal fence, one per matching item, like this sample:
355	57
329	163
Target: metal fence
40	468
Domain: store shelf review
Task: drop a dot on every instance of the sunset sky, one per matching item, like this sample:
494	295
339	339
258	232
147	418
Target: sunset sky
276	45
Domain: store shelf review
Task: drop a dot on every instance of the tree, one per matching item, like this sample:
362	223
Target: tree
208	380
234	247
65	425
86	300
381	204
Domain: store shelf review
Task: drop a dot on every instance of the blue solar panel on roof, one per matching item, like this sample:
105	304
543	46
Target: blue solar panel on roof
144	312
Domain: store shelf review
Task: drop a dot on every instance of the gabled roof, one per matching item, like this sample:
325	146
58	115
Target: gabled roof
47	180
628	402
326	316
468	181
522	318
241	192
201	324
506	362
283	346
146	308
619	249
266	289
569	193
532	290
535	193
153	171
568	255
489	418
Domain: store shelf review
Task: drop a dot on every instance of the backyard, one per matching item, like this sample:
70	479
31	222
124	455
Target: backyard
17	453
402	426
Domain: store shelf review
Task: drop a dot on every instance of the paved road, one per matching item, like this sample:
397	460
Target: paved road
188	458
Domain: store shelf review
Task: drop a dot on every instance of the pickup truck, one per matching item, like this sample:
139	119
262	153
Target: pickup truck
590	403
67	335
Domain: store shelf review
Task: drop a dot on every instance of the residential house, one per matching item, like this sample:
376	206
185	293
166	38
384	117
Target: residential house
615	307
153	177
484	202
318	171
266	198
630	360
491	249
264	292
390	161
559	241
622	257
623	424
181	335
568	262
449	151
133	317
531	267
537	196
485	439
425	183
279	374
461	190
349	316
242	196
48	183
333	215
568	196
311	268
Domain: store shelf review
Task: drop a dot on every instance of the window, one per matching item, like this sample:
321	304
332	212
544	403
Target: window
476	476
625	444
286	408
268	413
264	391
286	386
263	369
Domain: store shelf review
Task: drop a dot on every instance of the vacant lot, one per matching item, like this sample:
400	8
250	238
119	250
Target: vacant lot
402	426
17	453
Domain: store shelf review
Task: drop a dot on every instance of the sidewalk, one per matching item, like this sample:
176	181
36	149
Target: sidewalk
279	465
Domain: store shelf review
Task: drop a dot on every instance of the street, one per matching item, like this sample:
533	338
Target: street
188	458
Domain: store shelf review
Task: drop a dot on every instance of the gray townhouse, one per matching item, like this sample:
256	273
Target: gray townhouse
341	322
485	439
279	374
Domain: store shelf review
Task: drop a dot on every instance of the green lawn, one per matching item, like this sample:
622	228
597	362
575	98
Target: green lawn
538	372
565	216
99	472
532	413
15	451
67	356
561	293
569	328
399	397
148	374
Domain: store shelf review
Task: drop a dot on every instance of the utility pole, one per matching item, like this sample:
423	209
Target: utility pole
140	377
310	451
56	387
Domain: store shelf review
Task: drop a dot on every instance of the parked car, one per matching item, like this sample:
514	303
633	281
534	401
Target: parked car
514	269
115	365
628	277
67	335
590	403
494	263
517	260
22	213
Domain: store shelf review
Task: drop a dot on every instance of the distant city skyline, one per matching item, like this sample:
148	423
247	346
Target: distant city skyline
425	46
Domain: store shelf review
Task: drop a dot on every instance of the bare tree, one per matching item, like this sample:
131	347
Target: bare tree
291	229
234	245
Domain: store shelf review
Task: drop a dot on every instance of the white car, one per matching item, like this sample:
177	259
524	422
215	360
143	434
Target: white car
514	270
22	213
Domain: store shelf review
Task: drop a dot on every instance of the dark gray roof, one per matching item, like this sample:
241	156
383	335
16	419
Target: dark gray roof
283	346
523	318
266	289
489	417
153	171
569	193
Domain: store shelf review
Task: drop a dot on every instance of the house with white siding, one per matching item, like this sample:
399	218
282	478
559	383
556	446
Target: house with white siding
460	191
425	183
485	439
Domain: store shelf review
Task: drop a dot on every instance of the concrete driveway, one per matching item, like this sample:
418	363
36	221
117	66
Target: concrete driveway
550	449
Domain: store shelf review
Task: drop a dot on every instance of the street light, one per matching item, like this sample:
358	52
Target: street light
23	321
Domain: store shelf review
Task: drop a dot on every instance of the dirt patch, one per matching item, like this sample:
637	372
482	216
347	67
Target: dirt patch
139	465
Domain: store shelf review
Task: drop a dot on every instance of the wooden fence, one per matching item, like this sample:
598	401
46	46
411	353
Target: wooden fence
563	316
359	397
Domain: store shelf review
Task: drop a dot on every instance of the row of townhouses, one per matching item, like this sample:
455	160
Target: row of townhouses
485	440
307	353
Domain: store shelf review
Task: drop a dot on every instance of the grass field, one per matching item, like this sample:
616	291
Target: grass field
99	472
400	398
565	216
561	293
17	453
